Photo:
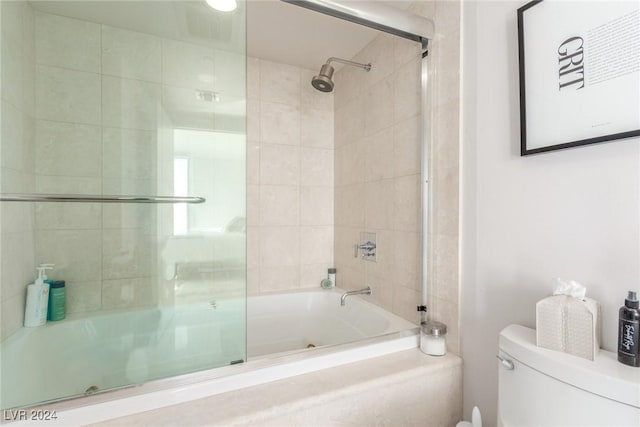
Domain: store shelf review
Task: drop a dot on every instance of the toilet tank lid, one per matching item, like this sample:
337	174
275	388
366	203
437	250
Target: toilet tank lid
604	376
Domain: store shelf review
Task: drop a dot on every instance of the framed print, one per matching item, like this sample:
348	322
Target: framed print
579	73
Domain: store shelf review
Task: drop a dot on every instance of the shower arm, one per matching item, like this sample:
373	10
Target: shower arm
367	67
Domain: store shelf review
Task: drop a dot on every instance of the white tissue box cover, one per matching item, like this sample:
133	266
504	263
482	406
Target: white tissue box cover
568	324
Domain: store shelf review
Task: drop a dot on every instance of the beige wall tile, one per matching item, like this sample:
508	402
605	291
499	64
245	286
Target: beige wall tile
316	167
13	137
379	155
61	216
316	128
83	296
279	83
279	278
280	165
77	254
316	244
312	274
377	54
128	153
131	54
407	91
253	205
128	293
130	104
405	301
18	262
380	107
11	314
407	265
141	217
316	206
67	95
253	162
126	253
407	147
188	65
253	78
350	163
349	122
68	149
379	204
279	205
405	51
66	42
279	246
253	120
350	204
279	123
407	203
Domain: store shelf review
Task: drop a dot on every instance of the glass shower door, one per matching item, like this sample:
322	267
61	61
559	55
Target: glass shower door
134	114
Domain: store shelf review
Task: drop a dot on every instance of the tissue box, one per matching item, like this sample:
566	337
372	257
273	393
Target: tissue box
568	324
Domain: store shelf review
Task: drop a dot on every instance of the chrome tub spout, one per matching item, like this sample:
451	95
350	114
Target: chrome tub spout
365	291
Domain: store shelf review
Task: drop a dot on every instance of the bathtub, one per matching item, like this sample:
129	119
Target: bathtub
287	334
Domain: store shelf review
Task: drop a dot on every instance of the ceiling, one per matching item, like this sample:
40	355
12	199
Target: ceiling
294	35
276	31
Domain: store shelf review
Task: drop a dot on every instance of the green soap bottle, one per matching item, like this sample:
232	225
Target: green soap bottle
57	301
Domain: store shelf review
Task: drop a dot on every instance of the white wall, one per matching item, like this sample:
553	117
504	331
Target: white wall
572	213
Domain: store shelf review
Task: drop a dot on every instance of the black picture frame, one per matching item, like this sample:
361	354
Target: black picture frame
533	145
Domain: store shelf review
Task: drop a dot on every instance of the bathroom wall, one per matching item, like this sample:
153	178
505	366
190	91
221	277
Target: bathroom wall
377	161
289	177
571	213
16	161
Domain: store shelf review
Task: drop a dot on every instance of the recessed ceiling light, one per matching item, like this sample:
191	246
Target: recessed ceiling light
223	5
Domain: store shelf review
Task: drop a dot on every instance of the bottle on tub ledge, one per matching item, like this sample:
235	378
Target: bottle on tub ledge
35	309
330	281
57	301
629	331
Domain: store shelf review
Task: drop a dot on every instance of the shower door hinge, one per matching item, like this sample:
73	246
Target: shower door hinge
422	308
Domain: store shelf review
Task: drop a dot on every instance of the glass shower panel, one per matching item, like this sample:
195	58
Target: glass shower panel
104	101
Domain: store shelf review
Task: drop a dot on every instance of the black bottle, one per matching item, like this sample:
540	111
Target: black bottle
629	331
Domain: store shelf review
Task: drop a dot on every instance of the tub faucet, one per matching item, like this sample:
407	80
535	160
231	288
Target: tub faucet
365	291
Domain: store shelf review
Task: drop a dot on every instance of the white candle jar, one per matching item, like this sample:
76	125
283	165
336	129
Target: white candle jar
433	338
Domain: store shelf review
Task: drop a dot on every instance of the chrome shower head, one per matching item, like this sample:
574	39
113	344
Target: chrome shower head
323	81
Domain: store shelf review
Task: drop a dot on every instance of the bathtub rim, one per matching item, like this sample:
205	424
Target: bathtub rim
175	390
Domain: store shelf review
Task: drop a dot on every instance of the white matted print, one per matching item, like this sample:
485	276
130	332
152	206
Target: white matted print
579	73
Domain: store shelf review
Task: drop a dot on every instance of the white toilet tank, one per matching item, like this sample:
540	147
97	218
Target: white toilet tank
551	388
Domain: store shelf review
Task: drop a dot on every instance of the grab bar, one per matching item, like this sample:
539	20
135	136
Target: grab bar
90	198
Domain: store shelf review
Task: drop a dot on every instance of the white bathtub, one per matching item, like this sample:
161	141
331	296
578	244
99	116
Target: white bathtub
279	329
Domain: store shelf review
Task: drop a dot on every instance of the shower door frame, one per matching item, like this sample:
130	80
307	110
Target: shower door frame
407	25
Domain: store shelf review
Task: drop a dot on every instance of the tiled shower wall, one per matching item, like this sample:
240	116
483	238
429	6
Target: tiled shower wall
289	177
377	170
106	103
17	161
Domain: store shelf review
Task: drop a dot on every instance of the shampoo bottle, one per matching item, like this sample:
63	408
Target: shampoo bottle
629	331
57	301
35	311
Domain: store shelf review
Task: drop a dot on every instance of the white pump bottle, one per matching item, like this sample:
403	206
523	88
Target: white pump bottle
35	310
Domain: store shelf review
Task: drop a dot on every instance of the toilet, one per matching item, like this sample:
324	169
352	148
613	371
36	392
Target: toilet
541	387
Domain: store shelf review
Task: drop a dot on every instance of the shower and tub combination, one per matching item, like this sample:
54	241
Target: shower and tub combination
133	185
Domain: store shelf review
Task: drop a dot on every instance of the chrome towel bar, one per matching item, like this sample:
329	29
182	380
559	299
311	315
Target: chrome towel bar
90	198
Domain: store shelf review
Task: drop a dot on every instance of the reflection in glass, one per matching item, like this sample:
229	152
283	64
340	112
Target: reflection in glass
122	98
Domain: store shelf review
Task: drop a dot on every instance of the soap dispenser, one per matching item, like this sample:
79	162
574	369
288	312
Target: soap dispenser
35	311
629	331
